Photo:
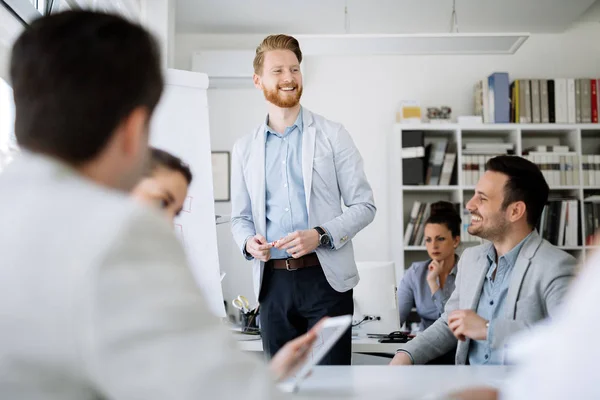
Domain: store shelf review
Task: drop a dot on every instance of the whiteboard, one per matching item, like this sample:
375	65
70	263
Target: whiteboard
180	126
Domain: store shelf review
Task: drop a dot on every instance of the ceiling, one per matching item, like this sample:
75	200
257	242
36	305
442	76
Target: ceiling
376	16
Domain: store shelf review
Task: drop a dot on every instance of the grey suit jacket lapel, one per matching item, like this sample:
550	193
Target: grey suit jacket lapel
520	269
308	154
258	193
475	293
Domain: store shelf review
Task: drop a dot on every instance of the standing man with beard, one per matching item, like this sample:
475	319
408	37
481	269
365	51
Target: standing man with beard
288	177
504	286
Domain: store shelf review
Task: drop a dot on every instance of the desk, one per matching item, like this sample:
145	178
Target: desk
384	382
359	345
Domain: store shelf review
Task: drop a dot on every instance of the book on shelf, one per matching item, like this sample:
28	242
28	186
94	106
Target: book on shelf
544	100
413	157
591	211
595	99
447	169
536	111
559	222
436	162
499	98
482	100
492	98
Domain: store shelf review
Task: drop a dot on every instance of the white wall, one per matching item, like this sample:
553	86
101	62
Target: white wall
10	27
363	92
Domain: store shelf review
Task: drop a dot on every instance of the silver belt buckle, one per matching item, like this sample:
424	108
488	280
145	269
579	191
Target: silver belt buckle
287	264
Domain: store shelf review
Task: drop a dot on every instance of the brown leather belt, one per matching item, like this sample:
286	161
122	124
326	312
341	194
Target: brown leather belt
292	264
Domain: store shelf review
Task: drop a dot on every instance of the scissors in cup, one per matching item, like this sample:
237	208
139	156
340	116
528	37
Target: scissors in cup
241	303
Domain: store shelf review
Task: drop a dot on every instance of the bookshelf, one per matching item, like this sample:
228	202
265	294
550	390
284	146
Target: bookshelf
583	140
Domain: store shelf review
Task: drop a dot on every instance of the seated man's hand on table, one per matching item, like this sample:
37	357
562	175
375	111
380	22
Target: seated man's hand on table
401	358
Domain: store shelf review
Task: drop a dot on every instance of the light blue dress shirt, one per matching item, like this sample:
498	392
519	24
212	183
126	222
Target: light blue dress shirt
491	304
285	198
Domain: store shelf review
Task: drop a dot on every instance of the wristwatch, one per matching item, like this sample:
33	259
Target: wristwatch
324	239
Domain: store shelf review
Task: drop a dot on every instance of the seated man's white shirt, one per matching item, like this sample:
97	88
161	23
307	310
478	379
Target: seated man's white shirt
559	360
97	300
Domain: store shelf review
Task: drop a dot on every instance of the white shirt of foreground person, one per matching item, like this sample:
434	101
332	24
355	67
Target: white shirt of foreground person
559	360
97	300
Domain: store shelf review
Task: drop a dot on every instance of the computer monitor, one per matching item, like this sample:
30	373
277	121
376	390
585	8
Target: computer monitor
375	305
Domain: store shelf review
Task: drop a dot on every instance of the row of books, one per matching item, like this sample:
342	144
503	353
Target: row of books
426	164
559	169
476	154
561	100
566	101
560	166
559	223
473	168
414	231
413	234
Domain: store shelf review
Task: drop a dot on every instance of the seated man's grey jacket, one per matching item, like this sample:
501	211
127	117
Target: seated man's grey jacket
539	281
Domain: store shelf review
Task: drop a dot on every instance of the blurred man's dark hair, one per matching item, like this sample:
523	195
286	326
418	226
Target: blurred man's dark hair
76	75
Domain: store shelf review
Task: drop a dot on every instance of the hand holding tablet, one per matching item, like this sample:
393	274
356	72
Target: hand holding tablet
319	341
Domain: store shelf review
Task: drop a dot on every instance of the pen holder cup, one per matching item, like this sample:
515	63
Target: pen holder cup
249	322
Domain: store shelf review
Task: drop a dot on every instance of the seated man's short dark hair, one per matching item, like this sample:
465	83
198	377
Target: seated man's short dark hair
525	183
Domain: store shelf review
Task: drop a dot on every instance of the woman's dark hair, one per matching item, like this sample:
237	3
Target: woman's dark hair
162	159
444	213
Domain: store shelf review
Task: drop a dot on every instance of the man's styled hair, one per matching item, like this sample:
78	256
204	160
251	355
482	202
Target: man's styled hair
275	42
163	159
76	75
525	183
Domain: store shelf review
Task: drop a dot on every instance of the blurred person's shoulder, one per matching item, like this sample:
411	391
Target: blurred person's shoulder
64	215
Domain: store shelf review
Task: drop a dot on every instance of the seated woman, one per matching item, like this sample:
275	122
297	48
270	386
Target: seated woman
427	285
166	183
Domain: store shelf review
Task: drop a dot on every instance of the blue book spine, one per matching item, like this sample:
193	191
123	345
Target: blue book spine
500	87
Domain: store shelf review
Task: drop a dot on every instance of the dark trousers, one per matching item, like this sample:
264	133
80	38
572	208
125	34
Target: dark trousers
292	302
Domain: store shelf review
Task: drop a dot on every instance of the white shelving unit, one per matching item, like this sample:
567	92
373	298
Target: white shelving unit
581	138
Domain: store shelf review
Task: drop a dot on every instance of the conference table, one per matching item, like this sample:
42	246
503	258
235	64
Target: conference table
360	344
408	382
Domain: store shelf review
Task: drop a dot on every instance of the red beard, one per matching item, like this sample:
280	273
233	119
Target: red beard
283	100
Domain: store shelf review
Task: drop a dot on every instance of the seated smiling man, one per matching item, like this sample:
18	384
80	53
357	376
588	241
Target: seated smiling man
503	286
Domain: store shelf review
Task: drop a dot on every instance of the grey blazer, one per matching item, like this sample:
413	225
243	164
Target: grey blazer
332	169
97	300
538	283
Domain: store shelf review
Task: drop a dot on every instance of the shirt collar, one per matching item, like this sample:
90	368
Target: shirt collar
511	256
297	124
455	268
